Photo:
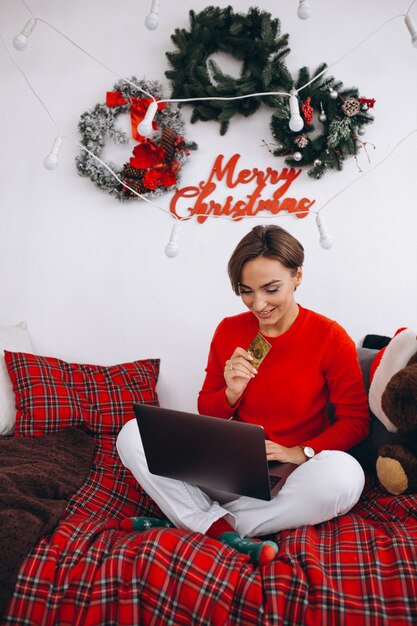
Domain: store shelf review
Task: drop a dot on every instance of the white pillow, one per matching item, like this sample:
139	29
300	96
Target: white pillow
15	339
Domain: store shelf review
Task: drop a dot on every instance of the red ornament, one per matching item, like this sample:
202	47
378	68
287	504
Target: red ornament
307	111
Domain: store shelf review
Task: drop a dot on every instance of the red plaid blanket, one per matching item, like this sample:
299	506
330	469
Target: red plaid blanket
358	570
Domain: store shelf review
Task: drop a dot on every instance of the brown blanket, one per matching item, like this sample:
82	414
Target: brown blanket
38	475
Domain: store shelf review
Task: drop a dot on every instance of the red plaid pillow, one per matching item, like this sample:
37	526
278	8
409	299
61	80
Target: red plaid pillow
52	395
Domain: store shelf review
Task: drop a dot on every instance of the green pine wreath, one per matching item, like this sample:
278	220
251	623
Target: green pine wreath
253	38
334	118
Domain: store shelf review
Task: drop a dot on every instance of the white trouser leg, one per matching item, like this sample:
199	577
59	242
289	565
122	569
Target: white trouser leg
328	485
186	506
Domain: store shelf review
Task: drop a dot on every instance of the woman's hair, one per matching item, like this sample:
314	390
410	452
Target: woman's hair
269	241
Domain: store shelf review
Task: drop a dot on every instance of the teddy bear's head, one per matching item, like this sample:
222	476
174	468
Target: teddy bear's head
393	389
399	399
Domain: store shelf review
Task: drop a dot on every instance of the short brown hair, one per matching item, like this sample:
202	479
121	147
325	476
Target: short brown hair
269	241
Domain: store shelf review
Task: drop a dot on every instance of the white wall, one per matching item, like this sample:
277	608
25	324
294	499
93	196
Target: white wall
89	274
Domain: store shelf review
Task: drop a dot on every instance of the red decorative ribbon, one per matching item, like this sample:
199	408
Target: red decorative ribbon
370	102
138	108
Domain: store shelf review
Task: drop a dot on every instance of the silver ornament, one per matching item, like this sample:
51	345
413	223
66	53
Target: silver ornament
297	156
333	94
317	162
322	117
361	131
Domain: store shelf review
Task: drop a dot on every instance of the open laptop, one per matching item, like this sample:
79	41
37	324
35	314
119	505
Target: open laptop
210	452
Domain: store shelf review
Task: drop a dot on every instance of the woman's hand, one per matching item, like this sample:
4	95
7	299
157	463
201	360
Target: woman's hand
276	452
238	372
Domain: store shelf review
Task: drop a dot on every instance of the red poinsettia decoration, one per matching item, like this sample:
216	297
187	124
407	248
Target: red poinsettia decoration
148	156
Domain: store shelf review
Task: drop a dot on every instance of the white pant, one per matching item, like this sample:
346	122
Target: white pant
324	487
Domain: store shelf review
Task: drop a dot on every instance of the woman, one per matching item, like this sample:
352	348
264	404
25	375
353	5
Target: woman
312	361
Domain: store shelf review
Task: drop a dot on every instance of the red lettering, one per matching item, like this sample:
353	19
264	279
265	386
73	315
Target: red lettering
204	206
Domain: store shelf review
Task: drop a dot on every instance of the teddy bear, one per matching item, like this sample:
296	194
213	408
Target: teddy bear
393	400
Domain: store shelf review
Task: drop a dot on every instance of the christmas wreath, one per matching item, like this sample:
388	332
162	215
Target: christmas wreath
253	38
340	116
155	165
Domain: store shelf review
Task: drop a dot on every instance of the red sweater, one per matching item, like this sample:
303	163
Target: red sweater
314	362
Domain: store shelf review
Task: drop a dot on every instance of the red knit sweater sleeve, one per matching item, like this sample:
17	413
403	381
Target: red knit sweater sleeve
347	394
212	397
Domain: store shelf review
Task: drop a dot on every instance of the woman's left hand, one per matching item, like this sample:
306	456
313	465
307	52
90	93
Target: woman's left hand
276	452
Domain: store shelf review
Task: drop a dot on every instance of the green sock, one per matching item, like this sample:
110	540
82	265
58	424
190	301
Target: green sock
144	523
261	552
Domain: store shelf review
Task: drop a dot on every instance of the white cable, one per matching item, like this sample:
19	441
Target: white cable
28	8
249	95
361	177
326	69
39	19
409	9
28	83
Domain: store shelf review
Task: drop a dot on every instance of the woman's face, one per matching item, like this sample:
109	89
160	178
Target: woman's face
267	289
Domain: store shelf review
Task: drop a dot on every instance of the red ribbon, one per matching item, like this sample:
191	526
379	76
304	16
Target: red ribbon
138	108
370	102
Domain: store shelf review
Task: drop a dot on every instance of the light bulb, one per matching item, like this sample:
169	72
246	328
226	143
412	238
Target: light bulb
152	19
21	40
172	248
411	29
51	160
145	127
326	241
304	10
296	121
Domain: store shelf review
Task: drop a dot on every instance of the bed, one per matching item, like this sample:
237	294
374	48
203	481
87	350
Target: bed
82	569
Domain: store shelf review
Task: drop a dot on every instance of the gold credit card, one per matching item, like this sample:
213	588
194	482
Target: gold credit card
259	348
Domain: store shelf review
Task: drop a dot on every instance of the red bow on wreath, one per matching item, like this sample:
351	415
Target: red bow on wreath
149	156
138	108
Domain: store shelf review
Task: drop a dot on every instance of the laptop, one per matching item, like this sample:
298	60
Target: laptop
209	452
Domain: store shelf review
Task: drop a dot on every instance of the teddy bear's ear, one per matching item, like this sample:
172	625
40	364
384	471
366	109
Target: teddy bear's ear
394	357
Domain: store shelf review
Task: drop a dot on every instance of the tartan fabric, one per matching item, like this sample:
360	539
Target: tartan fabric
53	395
357	570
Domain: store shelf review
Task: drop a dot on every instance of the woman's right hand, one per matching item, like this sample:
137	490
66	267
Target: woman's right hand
238	371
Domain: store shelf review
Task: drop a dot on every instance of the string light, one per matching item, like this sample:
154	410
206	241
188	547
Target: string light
411	29
296	121
145	127
21	40
326	241
304	9
51	160
152	19
172	248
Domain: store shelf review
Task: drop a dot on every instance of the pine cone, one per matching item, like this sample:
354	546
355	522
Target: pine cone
301	141
168	138
132	177
351	107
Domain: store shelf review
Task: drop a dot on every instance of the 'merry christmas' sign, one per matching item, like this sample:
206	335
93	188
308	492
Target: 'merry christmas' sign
195	200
